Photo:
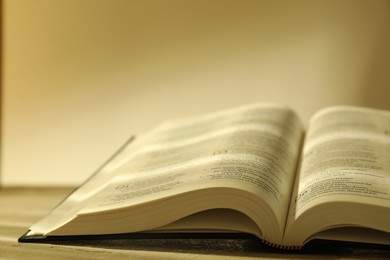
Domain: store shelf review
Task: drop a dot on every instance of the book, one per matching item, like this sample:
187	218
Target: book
253	169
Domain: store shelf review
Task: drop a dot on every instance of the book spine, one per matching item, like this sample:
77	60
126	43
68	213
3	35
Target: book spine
282	247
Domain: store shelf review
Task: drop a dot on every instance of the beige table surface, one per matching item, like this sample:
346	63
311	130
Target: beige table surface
22	207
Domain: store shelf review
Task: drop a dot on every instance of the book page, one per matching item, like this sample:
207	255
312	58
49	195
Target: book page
252	148
346	157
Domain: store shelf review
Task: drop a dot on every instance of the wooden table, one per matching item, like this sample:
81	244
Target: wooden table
22	207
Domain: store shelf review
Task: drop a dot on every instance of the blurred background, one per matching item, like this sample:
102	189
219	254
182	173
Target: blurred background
80	76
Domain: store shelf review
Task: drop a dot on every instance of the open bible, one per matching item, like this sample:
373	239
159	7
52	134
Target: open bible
251	169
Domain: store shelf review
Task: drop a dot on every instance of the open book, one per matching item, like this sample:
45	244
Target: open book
250	169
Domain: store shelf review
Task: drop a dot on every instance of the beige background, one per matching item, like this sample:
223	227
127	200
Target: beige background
79	77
